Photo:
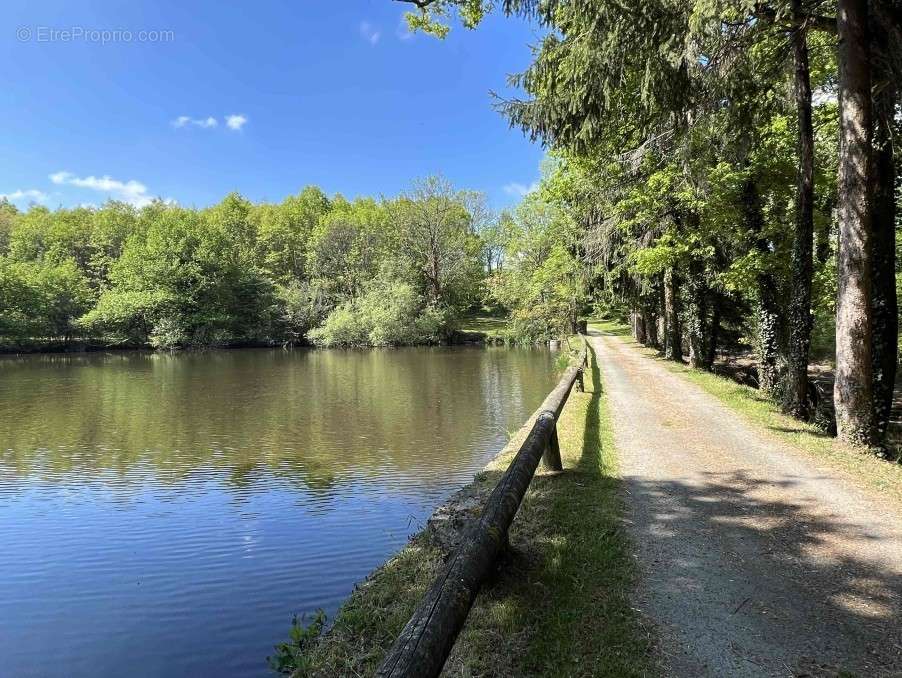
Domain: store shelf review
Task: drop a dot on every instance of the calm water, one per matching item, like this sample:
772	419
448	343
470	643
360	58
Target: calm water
165	515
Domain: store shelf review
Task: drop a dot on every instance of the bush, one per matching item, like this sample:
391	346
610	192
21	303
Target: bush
168	333
342	328
126	317
391	313
539	323
293	657
301	306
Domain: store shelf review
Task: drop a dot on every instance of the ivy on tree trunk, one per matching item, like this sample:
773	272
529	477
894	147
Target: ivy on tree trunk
885	304
800	320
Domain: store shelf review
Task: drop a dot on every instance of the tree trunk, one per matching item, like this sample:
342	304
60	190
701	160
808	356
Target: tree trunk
822	240
661	329
697	316
651	327
768	309
768	336
639	325
800	320
853	389
673	339
714	332
884	302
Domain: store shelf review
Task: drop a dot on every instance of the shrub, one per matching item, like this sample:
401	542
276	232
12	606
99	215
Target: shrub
168	333
341	328
293	657
390	313
301	306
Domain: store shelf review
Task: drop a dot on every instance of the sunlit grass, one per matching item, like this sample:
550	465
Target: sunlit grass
486	324
566	584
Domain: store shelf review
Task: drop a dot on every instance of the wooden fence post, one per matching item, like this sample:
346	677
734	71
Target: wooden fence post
552	455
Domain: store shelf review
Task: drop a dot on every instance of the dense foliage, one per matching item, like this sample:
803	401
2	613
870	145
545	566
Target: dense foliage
726	199
314	269
239	273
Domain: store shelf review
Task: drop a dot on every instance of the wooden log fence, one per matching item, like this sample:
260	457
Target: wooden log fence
426	641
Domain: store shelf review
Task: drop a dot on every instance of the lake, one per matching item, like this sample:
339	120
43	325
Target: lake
167	514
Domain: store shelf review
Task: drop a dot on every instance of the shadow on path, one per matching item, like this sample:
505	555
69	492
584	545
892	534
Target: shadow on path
755	560
755	582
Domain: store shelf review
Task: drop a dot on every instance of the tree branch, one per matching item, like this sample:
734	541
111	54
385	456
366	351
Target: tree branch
422	4
817	22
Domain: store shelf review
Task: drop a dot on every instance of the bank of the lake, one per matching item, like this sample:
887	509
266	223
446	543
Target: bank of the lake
560	594
481	330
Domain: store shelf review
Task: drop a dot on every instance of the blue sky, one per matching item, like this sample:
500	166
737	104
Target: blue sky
321	92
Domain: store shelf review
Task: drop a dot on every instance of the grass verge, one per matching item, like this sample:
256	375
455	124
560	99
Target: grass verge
882	476
486	324
559	602
490	329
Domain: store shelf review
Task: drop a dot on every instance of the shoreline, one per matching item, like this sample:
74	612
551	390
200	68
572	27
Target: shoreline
84	347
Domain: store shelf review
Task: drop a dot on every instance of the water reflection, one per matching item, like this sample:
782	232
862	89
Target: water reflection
168	512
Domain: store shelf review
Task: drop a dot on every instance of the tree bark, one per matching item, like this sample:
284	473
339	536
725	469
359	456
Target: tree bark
884	302
673	338
714	331
800	320
697	317
639	327
768	336
853	389
768	309
651	327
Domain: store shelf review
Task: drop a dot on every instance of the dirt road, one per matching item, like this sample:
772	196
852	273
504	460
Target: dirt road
756	559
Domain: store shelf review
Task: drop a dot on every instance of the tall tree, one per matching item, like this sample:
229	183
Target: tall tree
886	27
853	389
673	336
800	320
436	228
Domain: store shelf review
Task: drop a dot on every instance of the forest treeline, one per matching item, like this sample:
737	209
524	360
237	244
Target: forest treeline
731	164
330	271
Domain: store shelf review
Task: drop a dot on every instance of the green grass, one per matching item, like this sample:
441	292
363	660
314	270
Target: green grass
486	324
883	476
559	605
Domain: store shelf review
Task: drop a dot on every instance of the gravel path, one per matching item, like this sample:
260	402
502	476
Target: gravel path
755	559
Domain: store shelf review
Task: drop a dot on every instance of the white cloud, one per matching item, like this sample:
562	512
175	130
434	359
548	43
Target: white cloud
369	32
520	190
185	121
236	121
132	191
30	194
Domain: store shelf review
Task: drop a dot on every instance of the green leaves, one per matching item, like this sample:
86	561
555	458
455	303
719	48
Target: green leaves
238	273
542	282
41	299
